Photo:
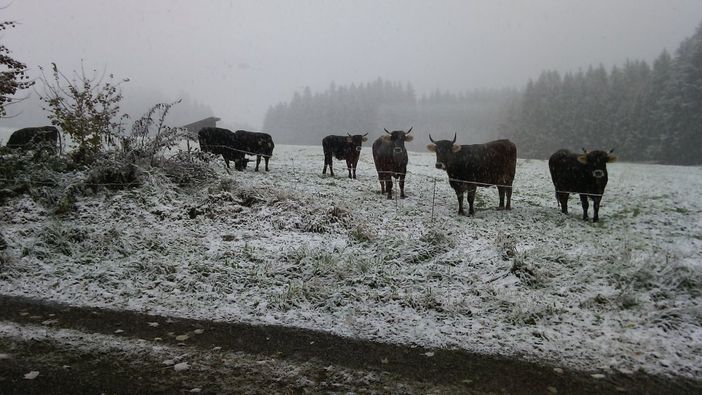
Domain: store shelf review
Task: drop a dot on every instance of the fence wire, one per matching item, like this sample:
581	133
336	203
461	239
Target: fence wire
296	171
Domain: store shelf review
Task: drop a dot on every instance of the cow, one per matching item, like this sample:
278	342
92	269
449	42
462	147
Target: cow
222	142
584	174
343	148
44	137
390	157
256	143
477	165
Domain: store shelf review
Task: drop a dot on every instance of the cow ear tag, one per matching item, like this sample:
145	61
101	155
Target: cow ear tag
455	148
582	159
431	148
365	139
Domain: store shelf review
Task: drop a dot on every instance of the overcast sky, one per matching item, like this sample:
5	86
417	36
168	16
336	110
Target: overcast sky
239	57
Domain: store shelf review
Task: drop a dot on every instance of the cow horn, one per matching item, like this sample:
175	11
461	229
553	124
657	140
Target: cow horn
386	131
611	151
454	138
410	129
431	139
584	150
365	134
349	134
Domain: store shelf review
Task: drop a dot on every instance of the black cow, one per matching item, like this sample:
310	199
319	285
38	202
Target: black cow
43	137
390	157
222	142
256	143
584	174
477	165
343	148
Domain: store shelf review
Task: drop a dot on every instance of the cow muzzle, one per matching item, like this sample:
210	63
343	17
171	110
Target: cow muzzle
397	150
358	148
598	173
440	166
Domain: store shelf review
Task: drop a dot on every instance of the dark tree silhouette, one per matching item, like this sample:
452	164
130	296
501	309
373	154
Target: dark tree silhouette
13	75
645	113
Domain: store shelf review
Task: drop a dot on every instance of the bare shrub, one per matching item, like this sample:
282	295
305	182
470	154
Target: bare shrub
114	173
526	272
184	170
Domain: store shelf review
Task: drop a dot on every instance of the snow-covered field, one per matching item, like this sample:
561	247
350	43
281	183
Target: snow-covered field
293	247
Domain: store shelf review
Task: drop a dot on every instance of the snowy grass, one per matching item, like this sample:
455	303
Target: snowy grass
293	247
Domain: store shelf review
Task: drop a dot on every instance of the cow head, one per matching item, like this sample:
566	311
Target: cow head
357	140
397	138
444	149
596	162
240	164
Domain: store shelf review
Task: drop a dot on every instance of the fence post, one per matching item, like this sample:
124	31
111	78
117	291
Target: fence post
433	200
396	187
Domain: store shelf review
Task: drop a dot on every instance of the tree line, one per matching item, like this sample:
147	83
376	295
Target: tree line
382	104
649	113
646	113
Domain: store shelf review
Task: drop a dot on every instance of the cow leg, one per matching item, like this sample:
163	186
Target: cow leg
349	166
266	159
382	183
459	196
501	192
328	162
354	164
402	186
388	187
596	208
471	200
258	161
563	200
584	202
508	192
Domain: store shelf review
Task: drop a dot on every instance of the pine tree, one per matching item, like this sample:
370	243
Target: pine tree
683	103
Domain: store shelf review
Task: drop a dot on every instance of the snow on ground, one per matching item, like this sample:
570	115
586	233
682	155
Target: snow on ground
293	247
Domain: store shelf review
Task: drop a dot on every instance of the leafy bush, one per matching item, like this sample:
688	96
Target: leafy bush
85	107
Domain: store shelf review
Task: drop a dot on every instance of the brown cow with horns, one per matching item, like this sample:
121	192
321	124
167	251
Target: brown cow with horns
390	157
477	165
584	174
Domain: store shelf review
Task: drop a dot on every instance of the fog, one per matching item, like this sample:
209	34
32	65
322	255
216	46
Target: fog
240	57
